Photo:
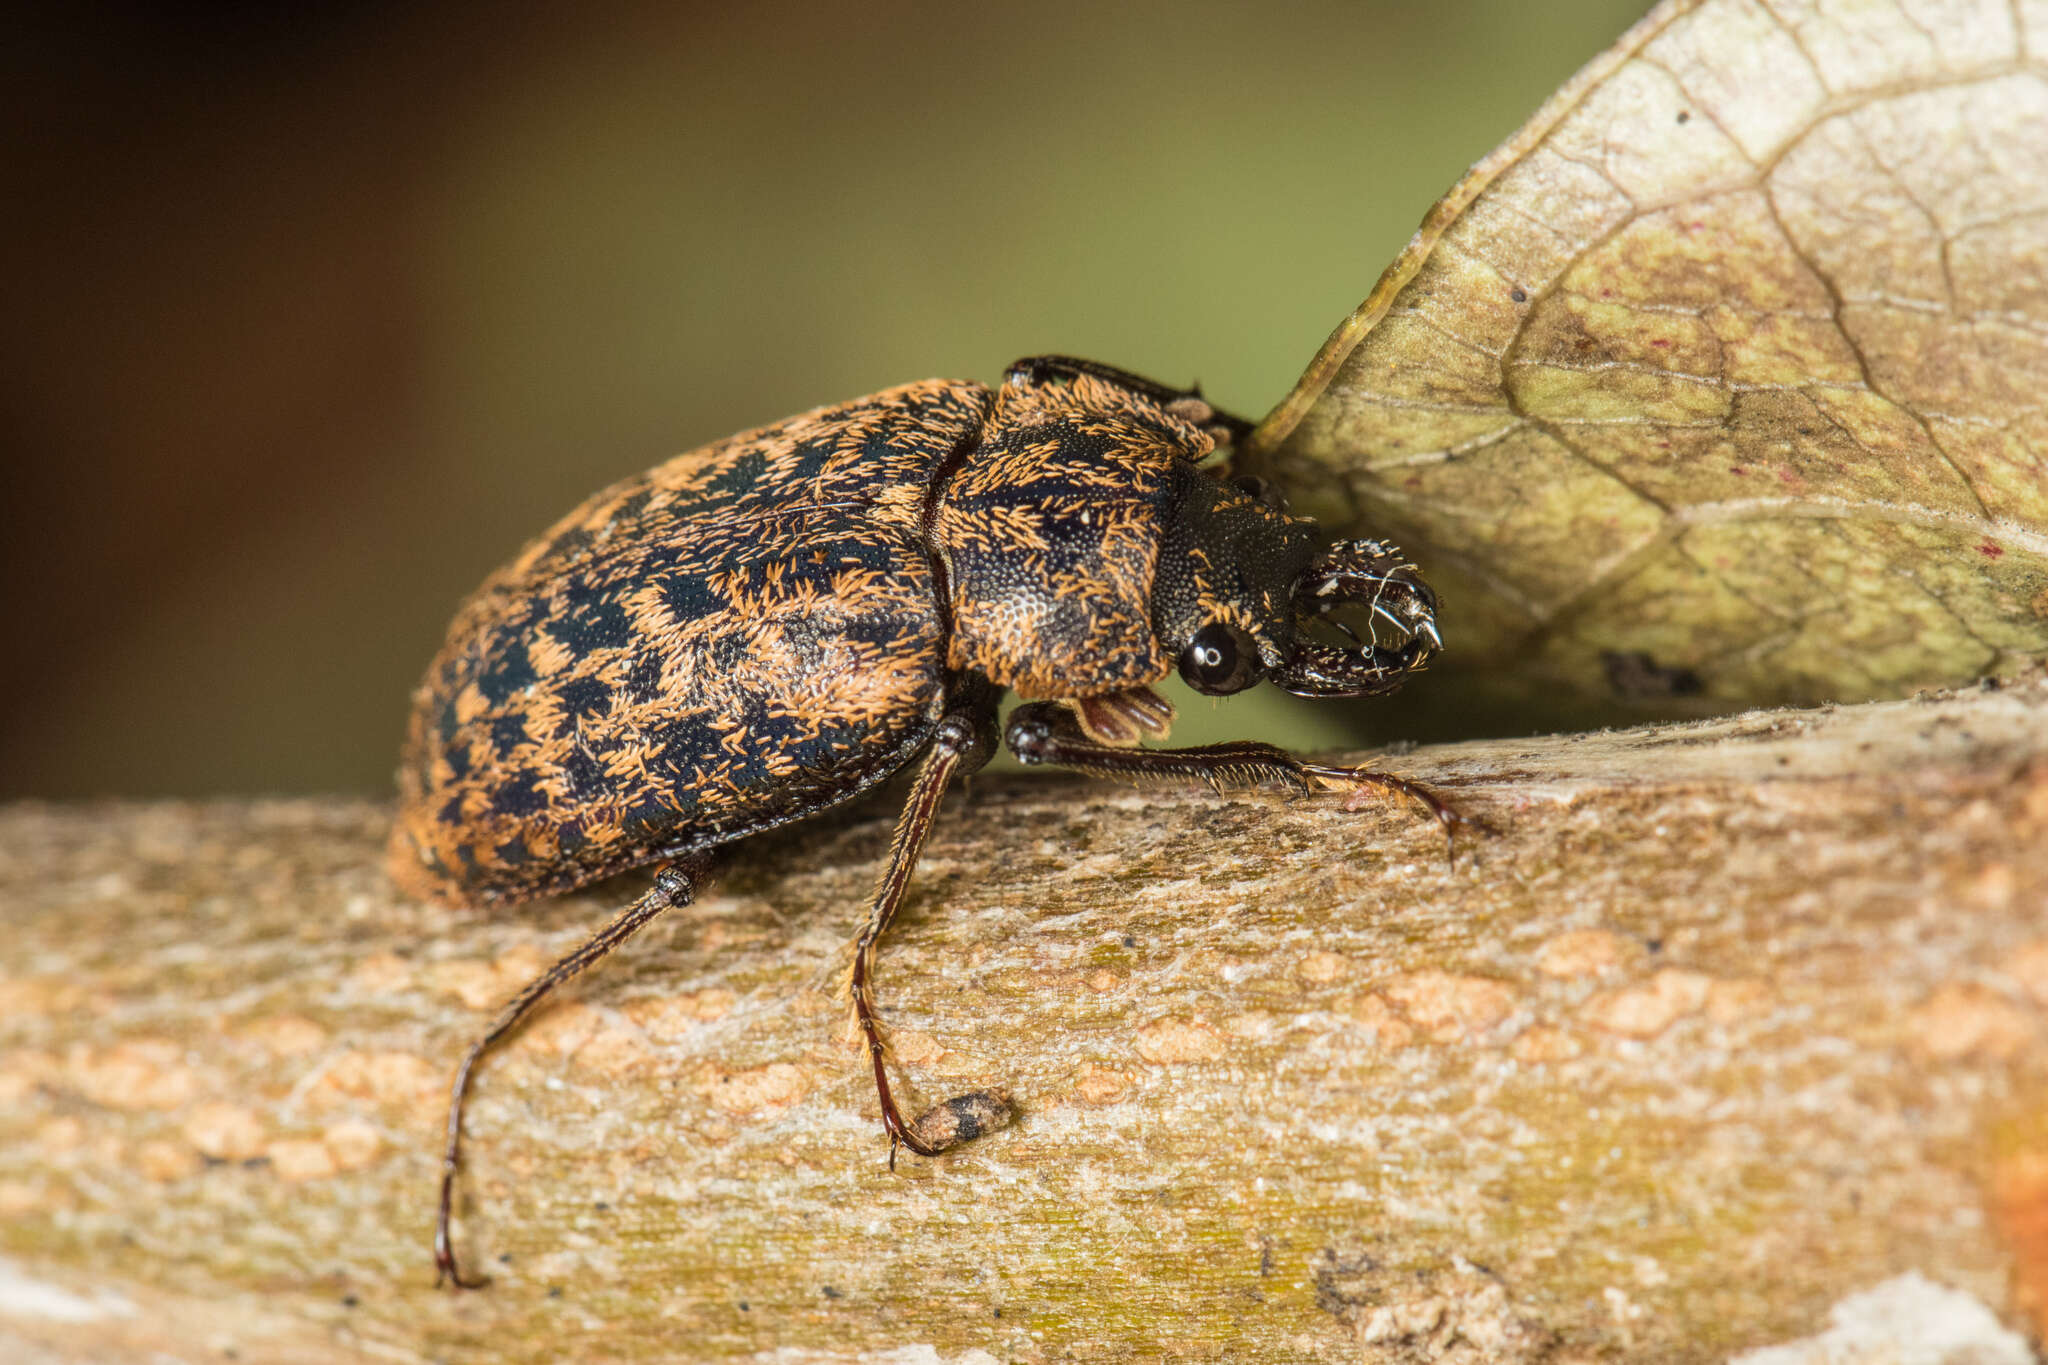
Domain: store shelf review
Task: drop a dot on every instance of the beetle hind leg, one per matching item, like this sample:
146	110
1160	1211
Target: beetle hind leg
1049	733
674	885
964	741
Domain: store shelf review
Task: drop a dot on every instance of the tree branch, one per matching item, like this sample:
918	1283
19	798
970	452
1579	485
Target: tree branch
1719	1023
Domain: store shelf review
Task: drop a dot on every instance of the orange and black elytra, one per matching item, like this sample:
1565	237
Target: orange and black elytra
771	625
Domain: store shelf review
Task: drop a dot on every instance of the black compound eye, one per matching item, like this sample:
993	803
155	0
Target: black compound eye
1221	659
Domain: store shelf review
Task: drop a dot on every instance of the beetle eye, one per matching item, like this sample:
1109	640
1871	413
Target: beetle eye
1221	659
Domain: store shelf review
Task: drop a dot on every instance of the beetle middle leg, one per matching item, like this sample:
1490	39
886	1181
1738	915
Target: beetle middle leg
965	739
1050	733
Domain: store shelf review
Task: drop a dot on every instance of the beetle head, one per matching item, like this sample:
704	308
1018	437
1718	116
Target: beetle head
1374	580
1243	595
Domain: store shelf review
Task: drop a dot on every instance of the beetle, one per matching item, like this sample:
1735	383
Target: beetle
773	624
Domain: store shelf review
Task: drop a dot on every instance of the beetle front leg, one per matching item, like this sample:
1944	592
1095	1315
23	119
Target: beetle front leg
1049	733
965	739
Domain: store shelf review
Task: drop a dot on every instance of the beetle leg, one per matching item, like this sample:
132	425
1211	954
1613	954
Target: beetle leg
674	885
1047	732
965	739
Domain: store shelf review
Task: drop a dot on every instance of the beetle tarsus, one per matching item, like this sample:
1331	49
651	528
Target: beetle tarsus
1442	811
445	1270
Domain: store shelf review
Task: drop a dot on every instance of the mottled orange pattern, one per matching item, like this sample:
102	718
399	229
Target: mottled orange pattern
731	640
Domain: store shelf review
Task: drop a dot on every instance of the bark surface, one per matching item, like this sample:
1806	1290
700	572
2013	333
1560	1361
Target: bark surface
1715	1025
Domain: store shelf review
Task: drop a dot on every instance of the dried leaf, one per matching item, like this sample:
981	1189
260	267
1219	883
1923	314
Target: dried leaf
1728	374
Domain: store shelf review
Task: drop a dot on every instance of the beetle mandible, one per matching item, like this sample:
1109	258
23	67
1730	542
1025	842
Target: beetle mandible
767	627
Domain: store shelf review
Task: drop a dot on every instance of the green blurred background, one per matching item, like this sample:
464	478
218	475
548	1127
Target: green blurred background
313	318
